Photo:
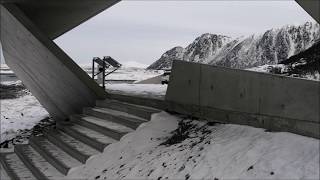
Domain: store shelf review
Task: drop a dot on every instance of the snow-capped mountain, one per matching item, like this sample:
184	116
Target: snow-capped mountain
305	64
271	47
205	48
166	59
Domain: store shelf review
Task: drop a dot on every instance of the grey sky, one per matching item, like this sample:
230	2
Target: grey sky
142	30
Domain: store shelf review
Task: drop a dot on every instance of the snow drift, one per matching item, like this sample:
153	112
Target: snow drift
207	150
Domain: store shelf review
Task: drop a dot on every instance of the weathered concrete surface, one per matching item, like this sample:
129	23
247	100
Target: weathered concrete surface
289	97
268	101
55	17
54	79
227	89
184	86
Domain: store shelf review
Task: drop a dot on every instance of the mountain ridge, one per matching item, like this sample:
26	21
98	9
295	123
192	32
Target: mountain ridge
270	47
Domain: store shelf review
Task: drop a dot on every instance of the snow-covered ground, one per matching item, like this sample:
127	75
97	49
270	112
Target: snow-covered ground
136	74
20	114
282	69
128	73
204	151
19	110
170	147
266	68
25	112
156	91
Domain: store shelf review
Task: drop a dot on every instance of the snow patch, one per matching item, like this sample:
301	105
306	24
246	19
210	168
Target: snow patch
20	114
157	91
224	152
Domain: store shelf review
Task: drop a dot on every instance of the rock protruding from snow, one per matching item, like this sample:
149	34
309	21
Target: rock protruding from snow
271	47
305	64
205	48
166	59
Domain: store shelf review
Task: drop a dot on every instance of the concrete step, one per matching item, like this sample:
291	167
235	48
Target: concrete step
3	174
14	167
58	158
105	127
115	116
39	166
53	155
94	134
74	131
137	110
75	148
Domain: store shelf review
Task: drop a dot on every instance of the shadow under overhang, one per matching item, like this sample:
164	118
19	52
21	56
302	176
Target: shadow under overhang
56	17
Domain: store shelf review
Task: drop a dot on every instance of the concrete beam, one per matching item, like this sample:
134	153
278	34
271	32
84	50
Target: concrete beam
312	7
53	17
60	85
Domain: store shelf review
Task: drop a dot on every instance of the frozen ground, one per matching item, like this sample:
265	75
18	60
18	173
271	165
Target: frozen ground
19	110
166	148
156	91
19	114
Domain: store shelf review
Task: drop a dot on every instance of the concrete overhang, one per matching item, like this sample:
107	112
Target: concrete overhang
312	7
56	17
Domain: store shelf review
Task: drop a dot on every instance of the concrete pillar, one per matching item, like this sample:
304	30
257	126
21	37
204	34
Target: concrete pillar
60	85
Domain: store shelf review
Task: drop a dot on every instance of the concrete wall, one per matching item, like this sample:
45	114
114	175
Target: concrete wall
53	78
244	97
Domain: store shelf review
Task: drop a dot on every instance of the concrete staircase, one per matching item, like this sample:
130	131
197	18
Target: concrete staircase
72	143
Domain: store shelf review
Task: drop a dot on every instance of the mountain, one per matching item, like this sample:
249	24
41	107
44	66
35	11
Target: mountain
305	64
203	48
271	47
166	59
307	61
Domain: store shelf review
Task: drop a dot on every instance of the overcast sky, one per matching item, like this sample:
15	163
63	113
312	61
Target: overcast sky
142	31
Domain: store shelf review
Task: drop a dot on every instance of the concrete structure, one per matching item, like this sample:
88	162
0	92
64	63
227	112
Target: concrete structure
27	30
243	97
63	88
311	7
60	150
54	17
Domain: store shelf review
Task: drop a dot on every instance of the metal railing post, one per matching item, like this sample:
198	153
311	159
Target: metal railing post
93	68
104	74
